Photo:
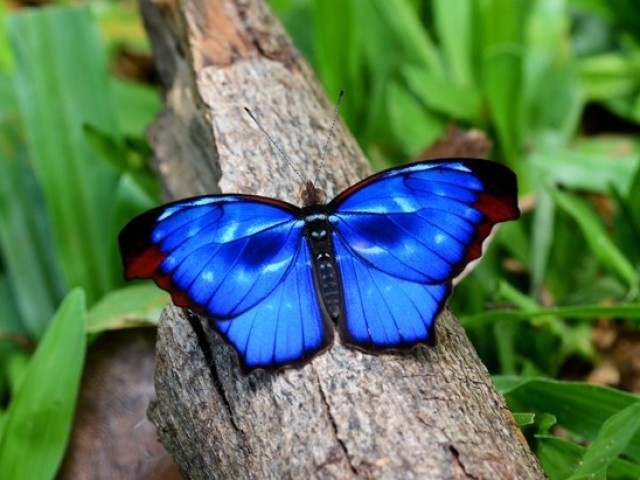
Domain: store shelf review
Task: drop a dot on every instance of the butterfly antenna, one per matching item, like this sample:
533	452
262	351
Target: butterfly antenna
325	149
273	142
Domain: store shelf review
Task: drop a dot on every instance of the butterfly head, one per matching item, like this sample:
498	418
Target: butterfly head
311	195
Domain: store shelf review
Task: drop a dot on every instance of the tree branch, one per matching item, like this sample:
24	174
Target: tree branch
431	413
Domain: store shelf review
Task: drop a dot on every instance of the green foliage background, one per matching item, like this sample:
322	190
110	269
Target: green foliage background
73	170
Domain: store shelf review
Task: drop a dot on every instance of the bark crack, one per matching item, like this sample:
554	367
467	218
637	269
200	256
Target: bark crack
459	464
334	426
207	352
253	38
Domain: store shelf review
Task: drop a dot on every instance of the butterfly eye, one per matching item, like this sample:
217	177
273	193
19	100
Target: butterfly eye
311	195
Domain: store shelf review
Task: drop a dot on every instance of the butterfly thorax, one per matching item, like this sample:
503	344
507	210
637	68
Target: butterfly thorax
319	232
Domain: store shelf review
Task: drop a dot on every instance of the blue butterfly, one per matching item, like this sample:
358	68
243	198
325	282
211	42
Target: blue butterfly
377	260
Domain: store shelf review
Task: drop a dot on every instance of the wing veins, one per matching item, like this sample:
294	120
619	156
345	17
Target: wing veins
443	182
275	225
412	212
275	333
212	258
190	237
235	261
389	310
286	273
371	263
441	170
391	254
181	225
410	234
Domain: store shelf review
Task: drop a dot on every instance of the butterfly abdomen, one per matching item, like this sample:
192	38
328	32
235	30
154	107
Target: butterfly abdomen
318	231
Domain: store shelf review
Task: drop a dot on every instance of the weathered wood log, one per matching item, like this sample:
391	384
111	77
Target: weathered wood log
430	413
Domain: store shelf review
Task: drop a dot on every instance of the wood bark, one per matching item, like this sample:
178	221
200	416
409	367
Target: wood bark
430	413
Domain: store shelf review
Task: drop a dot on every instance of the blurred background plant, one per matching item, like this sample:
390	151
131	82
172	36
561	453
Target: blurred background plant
553	307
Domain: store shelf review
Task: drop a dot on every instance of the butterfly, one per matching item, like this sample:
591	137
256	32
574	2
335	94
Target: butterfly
377	260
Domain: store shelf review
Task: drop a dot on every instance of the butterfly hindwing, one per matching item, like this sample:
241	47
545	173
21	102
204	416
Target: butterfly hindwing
286	327
242	262
382	311
401	236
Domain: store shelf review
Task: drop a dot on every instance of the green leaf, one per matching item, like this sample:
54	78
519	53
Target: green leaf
133	306
5	55
61	82
613	438
413	126
611	74
543	234
405	41
500	35
592	164
634	195
10	336
629	311
454	23
442	96
545	422
559	458
135	105
552	98
338	54
40	414
25	231
603	248
582	409
523	419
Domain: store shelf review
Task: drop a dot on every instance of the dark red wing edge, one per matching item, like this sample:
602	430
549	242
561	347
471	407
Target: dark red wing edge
499	203
139	256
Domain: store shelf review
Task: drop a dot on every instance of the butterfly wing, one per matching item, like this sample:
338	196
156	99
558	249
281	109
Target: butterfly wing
382	311
241	261
402	235
286	328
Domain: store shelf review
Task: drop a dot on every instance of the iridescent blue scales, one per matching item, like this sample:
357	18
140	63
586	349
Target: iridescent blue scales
377	260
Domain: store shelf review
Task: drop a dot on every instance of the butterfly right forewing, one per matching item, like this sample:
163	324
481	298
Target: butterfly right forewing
402	235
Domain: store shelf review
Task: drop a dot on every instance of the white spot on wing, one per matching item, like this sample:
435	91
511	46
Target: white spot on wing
461	168
202	201
207	276
167	213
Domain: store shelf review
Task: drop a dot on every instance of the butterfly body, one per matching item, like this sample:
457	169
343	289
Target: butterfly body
319	233
377	260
